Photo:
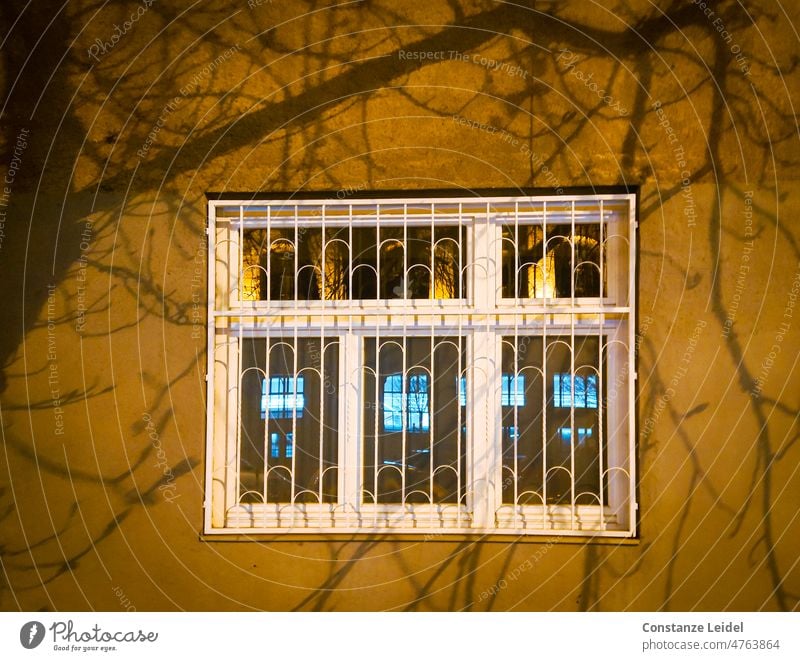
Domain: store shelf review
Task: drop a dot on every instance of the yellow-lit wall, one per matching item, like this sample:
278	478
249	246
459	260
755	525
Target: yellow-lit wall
102	267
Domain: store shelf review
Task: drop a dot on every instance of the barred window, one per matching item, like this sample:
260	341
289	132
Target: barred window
460	365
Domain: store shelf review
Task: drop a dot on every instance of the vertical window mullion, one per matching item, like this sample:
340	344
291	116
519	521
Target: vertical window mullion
485	417
494	394
351	380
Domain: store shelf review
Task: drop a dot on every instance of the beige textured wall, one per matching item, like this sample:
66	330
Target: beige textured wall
296	95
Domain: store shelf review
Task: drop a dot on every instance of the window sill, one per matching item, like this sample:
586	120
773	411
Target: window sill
427	521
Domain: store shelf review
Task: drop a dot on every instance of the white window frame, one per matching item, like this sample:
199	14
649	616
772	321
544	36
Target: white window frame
482	318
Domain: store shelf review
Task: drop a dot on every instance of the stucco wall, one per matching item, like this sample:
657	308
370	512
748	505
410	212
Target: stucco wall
112	145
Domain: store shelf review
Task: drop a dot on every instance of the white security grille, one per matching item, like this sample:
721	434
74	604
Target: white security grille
454	365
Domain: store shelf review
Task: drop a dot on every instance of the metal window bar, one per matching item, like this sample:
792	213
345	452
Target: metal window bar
572	368
600	373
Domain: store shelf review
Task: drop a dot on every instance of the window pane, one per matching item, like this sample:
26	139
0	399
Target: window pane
289	420
414	420
389	263
550	439
538	261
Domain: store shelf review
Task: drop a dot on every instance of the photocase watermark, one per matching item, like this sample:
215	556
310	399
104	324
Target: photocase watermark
316	356
515	573
788	313
744	265
52	362
197	285
347	191
167	487
474	124
123	599
741	59
20	146
682	371
83	262
569	60
689	209
257	3
536	160
100	47
448	55
187	89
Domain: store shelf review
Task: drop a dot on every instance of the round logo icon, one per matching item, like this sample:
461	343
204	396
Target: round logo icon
31	635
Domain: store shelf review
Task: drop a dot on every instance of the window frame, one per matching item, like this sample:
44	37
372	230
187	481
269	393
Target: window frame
484	512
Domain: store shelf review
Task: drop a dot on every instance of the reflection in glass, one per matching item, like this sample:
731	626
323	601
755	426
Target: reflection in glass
538	261
414	423
289	420
513	390
359	263
285	397
585	391
415	396
549	438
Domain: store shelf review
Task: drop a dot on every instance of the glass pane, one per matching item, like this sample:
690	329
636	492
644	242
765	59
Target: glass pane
449	260
414	420
365	263
255	248
294	264
551	421
521	401
337	264
289	420
268	265
538	261
391	263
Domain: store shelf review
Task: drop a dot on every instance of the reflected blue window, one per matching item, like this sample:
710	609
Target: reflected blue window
417	407
513	393
511	431
566	434
275	445
513	390
585	391
286	397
